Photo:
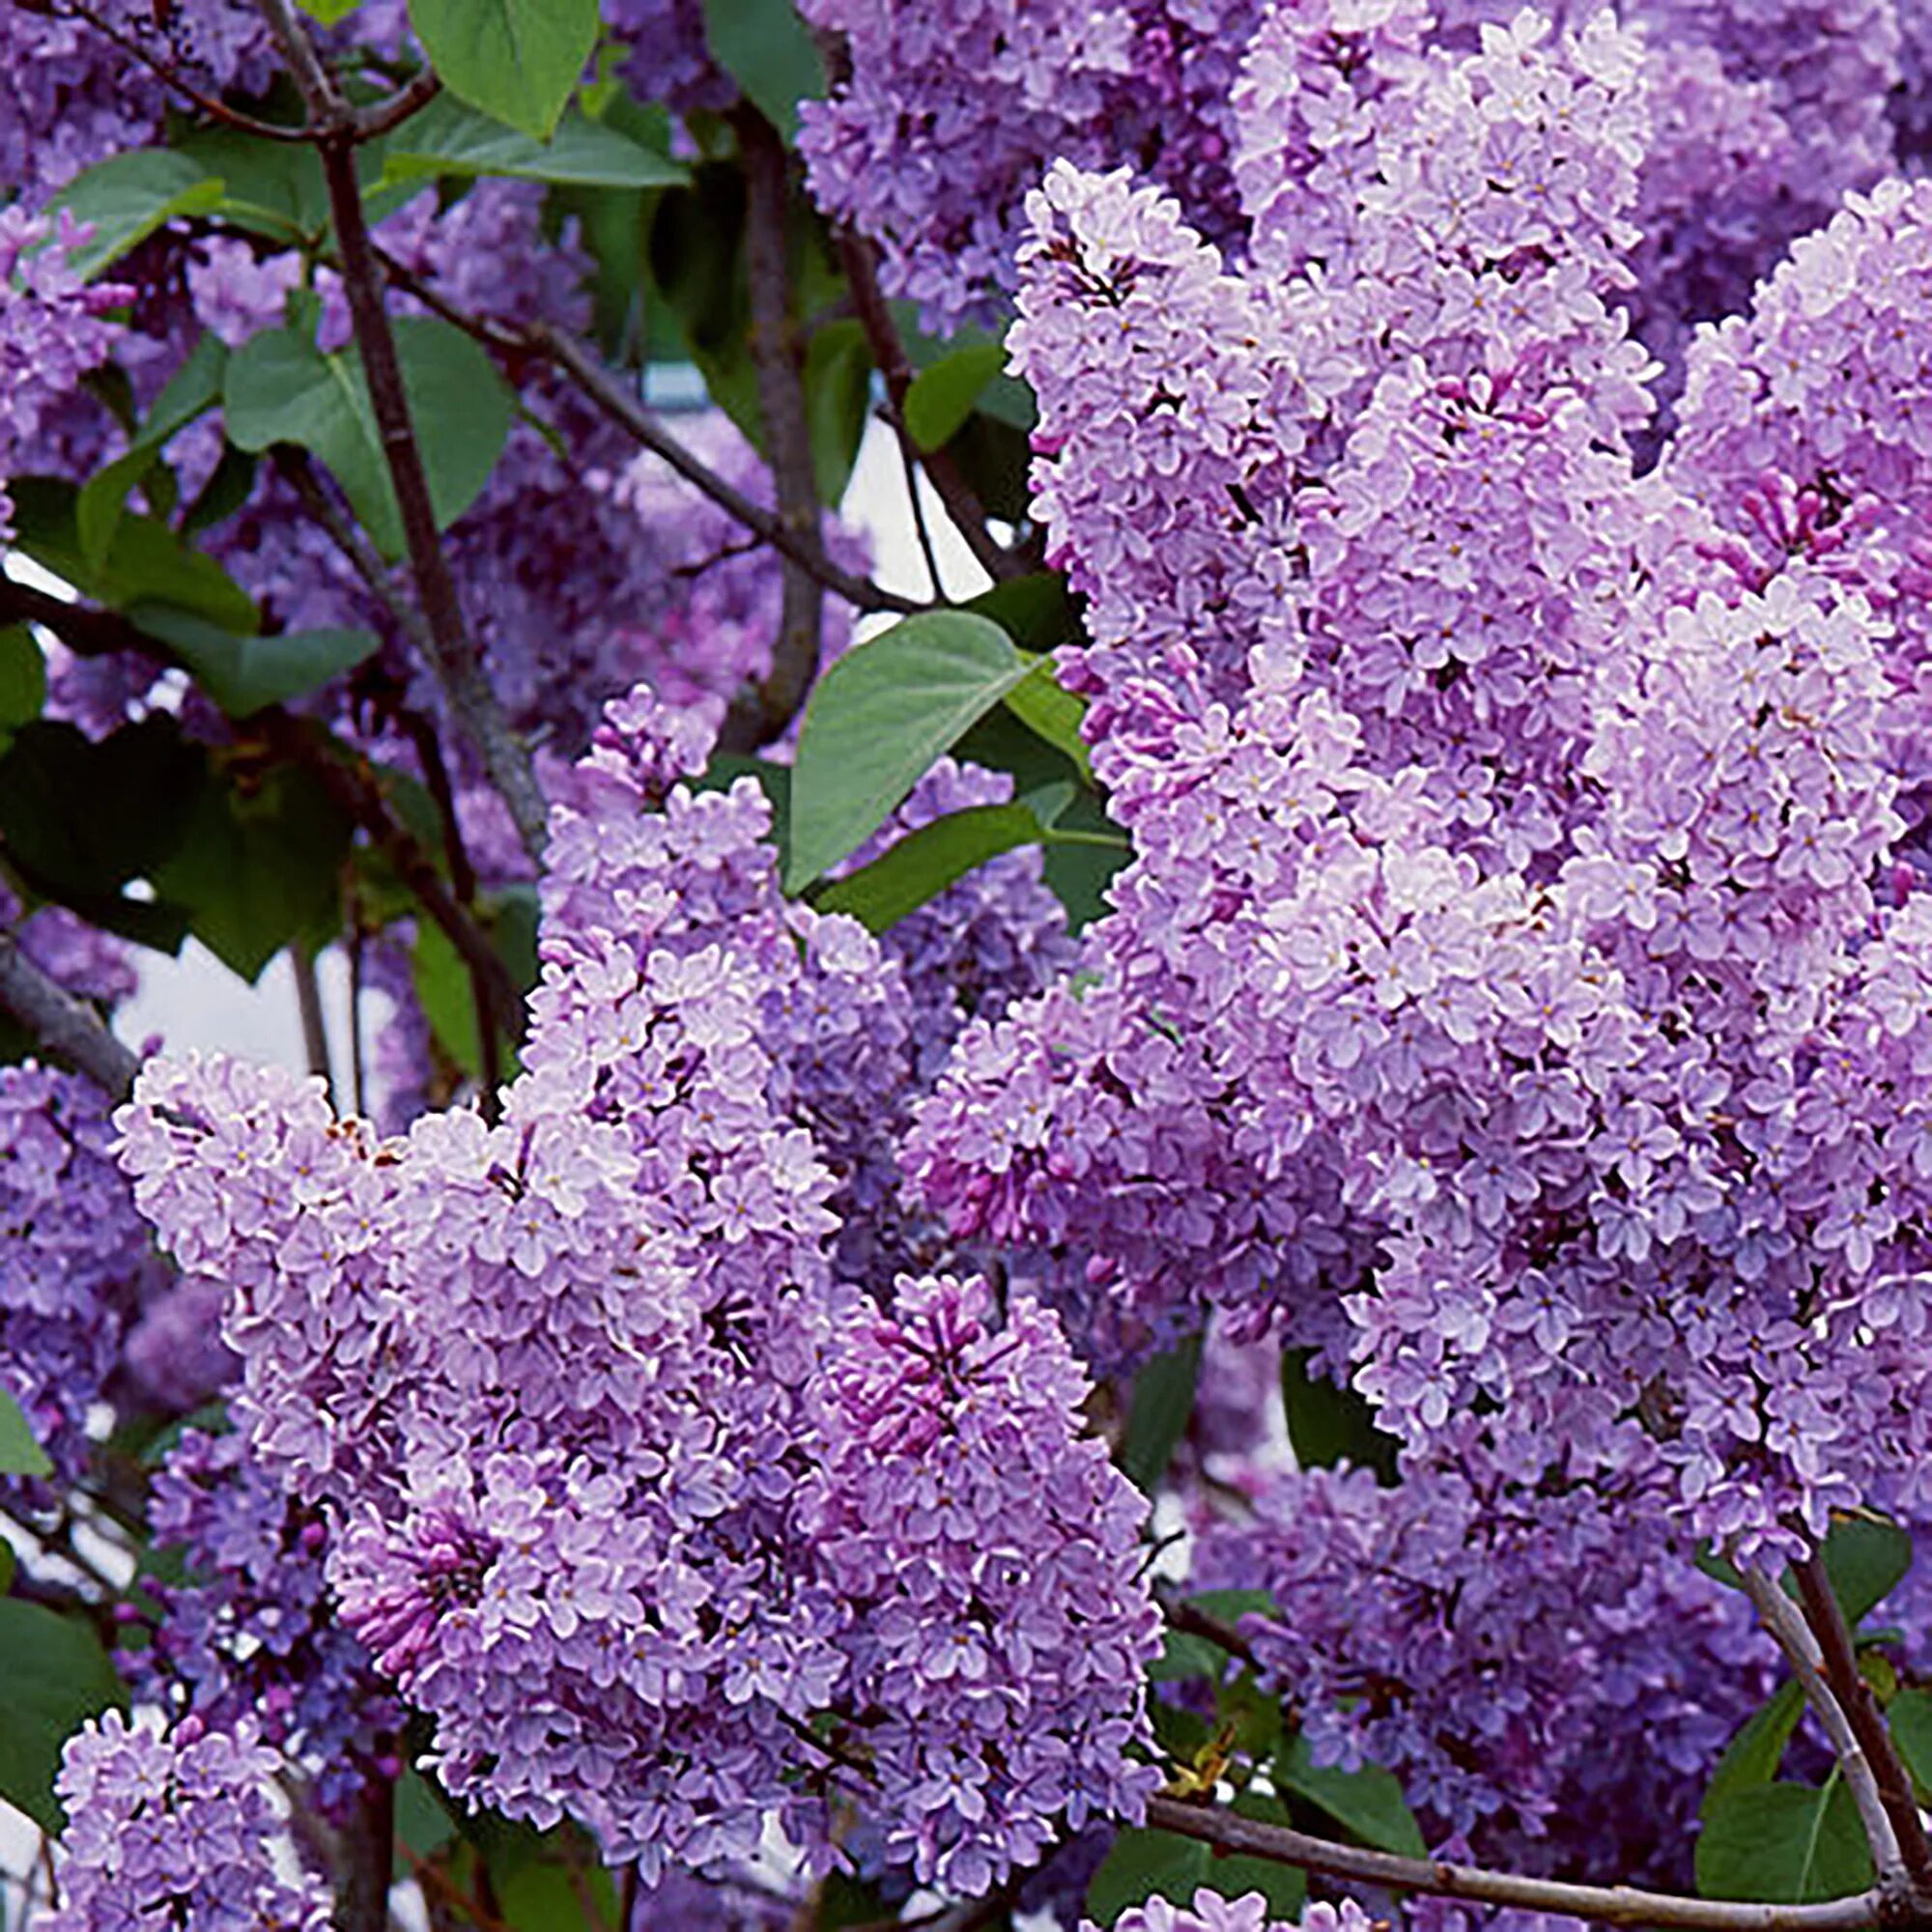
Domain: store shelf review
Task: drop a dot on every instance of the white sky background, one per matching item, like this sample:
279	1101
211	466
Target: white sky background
195	999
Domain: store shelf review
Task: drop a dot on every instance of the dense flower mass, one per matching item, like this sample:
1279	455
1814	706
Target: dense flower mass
831	1425
253	1633
1210	1912
641	1411
176	1827
76	1258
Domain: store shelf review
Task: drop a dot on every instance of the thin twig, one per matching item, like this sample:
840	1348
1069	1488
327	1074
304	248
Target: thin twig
361	557
65	1026
909	464
368	1857
1840	1663
314	1027
172	78
1182	1616
358	795
1782	1617
859	258
358	1094
540	341
760	712
1611	1905
372	123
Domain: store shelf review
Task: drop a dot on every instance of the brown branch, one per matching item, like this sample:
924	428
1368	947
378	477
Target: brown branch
861	260
1182	1616
415	94
1611	1905
358	794
631	415
1839	1662
334	130
172	78
65	1026
540	341
760	712
367	1847
309	1004
361	557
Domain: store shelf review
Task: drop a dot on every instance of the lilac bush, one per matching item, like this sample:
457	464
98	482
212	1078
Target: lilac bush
1225	1232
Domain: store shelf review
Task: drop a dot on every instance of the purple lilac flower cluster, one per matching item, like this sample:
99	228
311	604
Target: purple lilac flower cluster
1490	1632
74	1256
990	1557
948	115
1210	1912
53	327
1761	119
253	1631
628	1369
176	1827
1502	949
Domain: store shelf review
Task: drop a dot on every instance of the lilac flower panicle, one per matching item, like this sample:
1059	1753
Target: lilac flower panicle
178	1827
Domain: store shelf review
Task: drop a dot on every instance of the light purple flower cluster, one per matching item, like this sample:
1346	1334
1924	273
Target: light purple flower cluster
949	113
1515	1643
75	1257
990	1557
552	1383
176	1827
253	1631
1210	1912
53	327
1503	948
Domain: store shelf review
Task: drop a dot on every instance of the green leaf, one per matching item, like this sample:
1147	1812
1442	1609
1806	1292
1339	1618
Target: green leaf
194	388
942	394
446	996
272	188
922	864
1035	610
1284	1886
1142	1863
23	678
543	1898
1910	1717
57	1676
517	60
1756	1747
1866	1558
423	1820
331	12
244	673
282	388
448	139
1367	1803
877	720
1785	1844
1184	1655
126	197
145	562
837	393
258	866
769	52
20	1454
1329	1425
1052	712
81	818
1163	1399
